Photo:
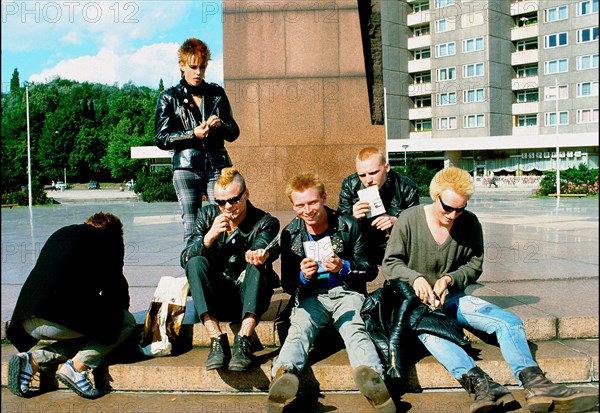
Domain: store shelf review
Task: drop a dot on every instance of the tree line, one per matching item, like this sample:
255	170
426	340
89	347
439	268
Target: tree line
87	128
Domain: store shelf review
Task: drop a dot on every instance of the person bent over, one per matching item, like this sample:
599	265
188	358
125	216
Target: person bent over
229	270
325	269
72	297
438	249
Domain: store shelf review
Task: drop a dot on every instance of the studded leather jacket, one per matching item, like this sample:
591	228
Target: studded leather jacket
177	115
347	242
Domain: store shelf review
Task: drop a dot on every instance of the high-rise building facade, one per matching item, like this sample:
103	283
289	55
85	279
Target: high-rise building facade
492	84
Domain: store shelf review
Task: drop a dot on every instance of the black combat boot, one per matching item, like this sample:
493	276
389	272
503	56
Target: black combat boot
241	358
489	395
220	353
544	396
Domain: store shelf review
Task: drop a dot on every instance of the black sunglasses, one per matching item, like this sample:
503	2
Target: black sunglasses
450	209
232	201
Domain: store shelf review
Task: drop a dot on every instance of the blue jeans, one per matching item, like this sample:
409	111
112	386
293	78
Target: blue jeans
483	316
341	305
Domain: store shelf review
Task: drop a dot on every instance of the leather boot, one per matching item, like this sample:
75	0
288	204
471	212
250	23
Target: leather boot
220	353
241	358
489	395
283	388
543	396
372	386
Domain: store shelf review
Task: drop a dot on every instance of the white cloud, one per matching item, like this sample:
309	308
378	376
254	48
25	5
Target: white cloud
144	67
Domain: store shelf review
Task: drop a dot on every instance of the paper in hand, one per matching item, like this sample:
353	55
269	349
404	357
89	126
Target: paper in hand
318	250
371	195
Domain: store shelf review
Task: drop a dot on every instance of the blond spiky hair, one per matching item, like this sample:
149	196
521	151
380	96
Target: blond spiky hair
452	178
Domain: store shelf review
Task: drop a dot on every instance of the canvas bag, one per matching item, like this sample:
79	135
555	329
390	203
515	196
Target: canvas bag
164	317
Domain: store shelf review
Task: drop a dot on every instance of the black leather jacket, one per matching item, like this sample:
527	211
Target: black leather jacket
397	193
394	317
175	119
348	244
227	253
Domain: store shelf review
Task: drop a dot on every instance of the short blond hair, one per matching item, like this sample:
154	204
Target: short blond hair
302	182
369	151
229	175
456	179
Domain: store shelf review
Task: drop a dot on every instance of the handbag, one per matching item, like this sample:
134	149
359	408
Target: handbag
165	317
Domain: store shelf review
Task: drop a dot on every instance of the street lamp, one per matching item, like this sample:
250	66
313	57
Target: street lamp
405	147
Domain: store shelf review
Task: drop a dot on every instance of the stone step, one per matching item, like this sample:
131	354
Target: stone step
564	361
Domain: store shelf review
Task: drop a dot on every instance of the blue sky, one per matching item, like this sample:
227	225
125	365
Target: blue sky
106	41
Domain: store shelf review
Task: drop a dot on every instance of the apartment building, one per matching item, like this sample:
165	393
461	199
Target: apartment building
492	84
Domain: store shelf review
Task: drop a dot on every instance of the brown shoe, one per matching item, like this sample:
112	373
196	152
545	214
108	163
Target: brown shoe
372	386
544	396
283	388
489	395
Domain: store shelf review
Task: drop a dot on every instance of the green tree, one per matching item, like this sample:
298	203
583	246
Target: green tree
15	85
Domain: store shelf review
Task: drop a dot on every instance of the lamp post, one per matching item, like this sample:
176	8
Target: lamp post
405	147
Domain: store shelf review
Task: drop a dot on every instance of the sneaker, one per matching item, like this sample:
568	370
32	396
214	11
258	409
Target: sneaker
20	374
241	358
283	388
76	381
372	386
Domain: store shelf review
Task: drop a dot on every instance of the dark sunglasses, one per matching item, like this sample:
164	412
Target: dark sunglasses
450	209
231	201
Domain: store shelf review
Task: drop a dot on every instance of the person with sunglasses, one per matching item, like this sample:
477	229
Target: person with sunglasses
228	262
438	249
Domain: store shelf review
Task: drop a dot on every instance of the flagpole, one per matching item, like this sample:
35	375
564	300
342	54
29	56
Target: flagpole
28	149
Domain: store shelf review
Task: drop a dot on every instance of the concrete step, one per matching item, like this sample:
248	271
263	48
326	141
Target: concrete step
564	361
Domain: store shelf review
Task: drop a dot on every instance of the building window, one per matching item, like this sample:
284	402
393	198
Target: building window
587	115
448	98
422	101
473	70
443	3
556	13
528	95
556	66
527	70
472	45
446	122
563	118
526	120
441	25
555	40
422	125
550	92
422	54
527	44
420	30
587	7
587	62
422	77
447	73
445	49
588	34
473	95
587	89
473	121
421	6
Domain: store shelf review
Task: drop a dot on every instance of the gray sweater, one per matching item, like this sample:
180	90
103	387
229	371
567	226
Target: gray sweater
412	251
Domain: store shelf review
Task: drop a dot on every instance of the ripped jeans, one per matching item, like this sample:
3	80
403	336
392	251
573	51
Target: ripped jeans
483	316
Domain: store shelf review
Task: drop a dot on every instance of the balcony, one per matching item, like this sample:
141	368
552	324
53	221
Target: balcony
420	65
419	42
418	89
530	82
525	32
418	18
522	7
521	58
525	131
524	108
419	113
420	135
